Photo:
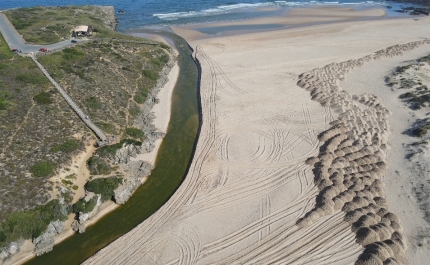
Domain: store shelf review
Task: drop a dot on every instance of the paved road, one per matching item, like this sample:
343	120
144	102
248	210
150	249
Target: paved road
14	39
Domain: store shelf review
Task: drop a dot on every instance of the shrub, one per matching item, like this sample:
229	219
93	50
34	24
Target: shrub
98	166
68	146
43	98
150	74
407	95
93	103
110	150
72	54
135	133
104	186
139	99
85	206
32	78
164	58
164	46
42	169
4	103
30	223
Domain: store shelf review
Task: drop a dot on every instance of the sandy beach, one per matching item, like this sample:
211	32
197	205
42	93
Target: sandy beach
299	159
162	114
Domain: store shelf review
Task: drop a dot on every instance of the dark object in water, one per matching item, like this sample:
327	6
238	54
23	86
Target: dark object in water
121	11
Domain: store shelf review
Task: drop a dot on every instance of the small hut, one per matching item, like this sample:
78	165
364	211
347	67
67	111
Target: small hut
81	31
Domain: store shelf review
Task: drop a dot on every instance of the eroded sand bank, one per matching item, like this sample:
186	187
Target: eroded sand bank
248	185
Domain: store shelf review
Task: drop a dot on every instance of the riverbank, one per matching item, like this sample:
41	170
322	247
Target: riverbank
253	193
162	112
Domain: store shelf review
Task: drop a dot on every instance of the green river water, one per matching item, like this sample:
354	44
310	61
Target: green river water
173	159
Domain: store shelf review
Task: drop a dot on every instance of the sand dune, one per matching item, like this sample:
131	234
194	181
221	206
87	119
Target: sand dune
288	166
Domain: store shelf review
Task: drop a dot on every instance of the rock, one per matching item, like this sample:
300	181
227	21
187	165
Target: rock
45	242
10	250
123	154
78	225
138	170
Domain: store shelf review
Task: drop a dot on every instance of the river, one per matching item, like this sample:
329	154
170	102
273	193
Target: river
173	159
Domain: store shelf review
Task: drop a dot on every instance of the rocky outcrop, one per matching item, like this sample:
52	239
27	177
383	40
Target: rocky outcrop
109	19
10	250
138	171
45	242
78	225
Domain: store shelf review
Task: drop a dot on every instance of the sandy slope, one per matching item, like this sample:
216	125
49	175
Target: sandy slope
248	183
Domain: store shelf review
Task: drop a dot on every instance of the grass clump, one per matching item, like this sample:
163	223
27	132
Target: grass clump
93	103
4	100
32	223
104	186
32	78
42	169
98	166
67	146
423	130
43	98
72	54
135	133
151	74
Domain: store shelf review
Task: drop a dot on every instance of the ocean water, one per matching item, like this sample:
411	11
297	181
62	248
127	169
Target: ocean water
138	13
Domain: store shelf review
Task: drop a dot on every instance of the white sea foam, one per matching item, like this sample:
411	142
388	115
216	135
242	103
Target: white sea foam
225	9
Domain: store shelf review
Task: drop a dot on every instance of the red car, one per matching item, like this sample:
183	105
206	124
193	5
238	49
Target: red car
43	50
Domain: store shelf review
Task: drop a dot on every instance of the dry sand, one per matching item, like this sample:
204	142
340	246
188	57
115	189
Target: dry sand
250	194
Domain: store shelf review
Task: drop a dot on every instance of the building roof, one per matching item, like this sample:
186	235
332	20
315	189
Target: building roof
81	28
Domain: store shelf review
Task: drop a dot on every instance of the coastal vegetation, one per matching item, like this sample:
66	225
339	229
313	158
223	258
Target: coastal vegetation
38	134
109	77
404	77
47	25
173	160
30	223
104	186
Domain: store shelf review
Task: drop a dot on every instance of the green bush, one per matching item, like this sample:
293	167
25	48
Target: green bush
110	150
93	103
98	166
30	224
407	95
104	186
4	97
32	78
151	74
135	133
164	58
43	98
66	147
42	169
139	99
84	206
72	54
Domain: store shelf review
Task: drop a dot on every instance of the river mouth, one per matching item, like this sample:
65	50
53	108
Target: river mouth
172	163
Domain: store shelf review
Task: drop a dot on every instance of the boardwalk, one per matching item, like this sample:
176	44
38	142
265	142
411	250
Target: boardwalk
100	134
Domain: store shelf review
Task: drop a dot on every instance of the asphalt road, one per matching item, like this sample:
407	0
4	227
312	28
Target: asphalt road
15	41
